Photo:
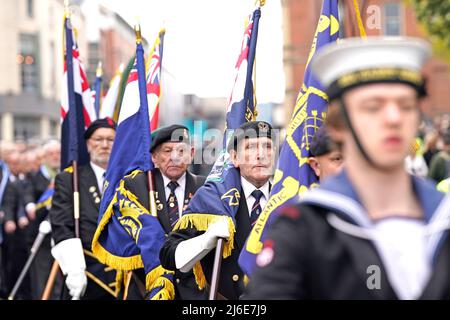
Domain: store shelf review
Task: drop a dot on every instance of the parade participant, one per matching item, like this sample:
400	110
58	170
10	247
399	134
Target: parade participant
175	186
326	157
372	232
440	163
40	181
252	153
86	277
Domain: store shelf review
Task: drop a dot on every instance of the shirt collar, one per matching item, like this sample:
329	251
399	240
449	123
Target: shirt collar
248	188
98	171
180	181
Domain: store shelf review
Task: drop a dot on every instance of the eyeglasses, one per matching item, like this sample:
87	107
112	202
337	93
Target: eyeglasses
100	140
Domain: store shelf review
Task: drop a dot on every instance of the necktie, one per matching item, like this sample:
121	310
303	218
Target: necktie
172	203
256	209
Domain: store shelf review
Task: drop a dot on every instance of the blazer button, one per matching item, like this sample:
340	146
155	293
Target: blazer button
177	280
235	278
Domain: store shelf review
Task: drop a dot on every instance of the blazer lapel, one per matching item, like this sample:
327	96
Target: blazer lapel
243	226
189	190
90	187
161	204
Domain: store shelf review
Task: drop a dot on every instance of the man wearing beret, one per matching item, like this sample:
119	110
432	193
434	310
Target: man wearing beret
87	279
251	149
373	231
175	186
326	157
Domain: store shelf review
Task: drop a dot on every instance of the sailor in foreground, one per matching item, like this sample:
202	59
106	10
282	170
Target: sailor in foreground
86	278
373	231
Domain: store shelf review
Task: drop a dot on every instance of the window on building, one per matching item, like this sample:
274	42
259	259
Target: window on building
30	11
392	19
26	127
27	58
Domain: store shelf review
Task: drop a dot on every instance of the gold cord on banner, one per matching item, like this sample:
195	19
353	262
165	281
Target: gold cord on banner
362	31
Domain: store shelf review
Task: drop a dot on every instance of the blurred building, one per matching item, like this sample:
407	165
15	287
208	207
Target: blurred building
380	17
111	40
31	65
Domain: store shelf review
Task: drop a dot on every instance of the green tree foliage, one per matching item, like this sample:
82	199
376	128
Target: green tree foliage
434	16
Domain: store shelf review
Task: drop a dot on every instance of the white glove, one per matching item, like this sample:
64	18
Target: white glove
69	254
190	251
217	229
76	282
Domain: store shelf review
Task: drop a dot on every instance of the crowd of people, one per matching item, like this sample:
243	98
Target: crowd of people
376	201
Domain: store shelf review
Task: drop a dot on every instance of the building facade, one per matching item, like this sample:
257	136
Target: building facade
31	63
380	17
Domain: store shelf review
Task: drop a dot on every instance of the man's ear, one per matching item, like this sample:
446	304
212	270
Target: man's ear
233	157
314	164
155	162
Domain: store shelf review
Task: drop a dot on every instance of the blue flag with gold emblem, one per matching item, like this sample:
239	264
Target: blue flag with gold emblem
220	194
293	175
128	237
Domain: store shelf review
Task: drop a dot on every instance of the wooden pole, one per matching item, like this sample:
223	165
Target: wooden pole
51	281
216	270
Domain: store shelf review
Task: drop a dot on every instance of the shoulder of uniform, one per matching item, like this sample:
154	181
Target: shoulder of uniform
299	211
135	178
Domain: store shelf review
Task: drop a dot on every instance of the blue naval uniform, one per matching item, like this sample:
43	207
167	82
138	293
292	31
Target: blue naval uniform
324	248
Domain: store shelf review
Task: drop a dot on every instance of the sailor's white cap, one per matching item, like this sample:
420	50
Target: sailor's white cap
356	61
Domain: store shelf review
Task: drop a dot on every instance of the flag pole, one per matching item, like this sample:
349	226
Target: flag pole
150	178
76	199
51	281
216	270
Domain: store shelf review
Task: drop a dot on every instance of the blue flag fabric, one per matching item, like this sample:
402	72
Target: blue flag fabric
45	200
77	111
98	94
294	176
220	194
128	236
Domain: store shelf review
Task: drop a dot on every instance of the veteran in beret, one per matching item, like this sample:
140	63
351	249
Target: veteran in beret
172	154
86	278
373	231
252	152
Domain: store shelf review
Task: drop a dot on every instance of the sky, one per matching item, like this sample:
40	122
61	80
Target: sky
203	38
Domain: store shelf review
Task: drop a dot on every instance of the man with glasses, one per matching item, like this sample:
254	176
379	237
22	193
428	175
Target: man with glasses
86	277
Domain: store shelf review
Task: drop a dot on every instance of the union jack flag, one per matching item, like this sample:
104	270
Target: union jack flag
77	110
154	80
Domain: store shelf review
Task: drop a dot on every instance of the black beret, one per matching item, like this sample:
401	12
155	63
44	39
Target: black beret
99	123
251	129
173	133
321	143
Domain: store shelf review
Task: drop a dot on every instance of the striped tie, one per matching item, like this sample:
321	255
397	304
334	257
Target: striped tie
256	209
172	203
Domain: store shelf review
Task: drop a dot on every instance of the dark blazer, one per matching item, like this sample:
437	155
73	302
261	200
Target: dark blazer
63	225
231	284
39	184
185	287
17	194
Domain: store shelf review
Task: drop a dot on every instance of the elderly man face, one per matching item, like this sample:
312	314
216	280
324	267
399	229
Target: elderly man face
173	158
52	154
100	145
255	159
